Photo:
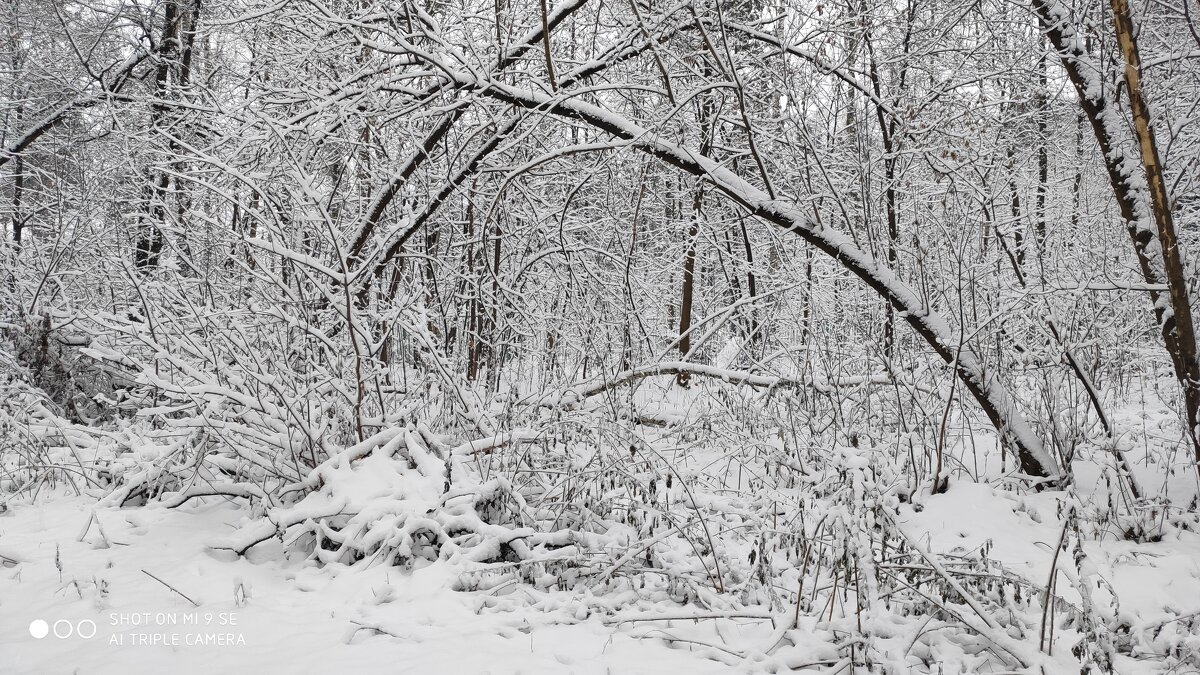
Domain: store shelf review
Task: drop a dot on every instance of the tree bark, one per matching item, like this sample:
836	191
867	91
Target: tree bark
18	221
1144	208
1179	321
707	120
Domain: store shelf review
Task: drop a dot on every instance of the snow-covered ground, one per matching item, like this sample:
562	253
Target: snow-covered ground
77	564
752	559
124	574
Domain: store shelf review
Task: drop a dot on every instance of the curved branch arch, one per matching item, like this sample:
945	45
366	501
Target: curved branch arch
982	382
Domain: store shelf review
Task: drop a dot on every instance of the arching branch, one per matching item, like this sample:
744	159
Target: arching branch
979	380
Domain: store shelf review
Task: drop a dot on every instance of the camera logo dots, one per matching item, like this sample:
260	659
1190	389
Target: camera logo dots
63	629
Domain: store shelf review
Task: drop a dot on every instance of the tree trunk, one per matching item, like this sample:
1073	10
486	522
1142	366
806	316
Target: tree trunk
1144	208
150	239
1179	321
707	119
18	221
1043	106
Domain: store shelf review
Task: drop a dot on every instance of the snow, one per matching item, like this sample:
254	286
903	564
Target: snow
156	579
296	616
303	443
938	332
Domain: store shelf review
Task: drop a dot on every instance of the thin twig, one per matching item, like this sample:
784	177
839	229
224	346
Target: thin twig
177	591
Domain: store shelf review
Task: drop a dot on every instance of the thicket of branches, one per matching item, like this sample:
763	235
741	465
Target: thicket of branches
536	286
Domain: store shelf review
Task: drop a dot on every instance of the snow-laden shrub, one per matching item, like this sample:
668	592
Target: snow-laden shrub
721	498
401	497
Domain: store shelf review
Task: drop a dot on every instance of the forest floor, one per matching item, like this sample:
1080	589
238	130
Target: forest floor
150	595
66	560
79	563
